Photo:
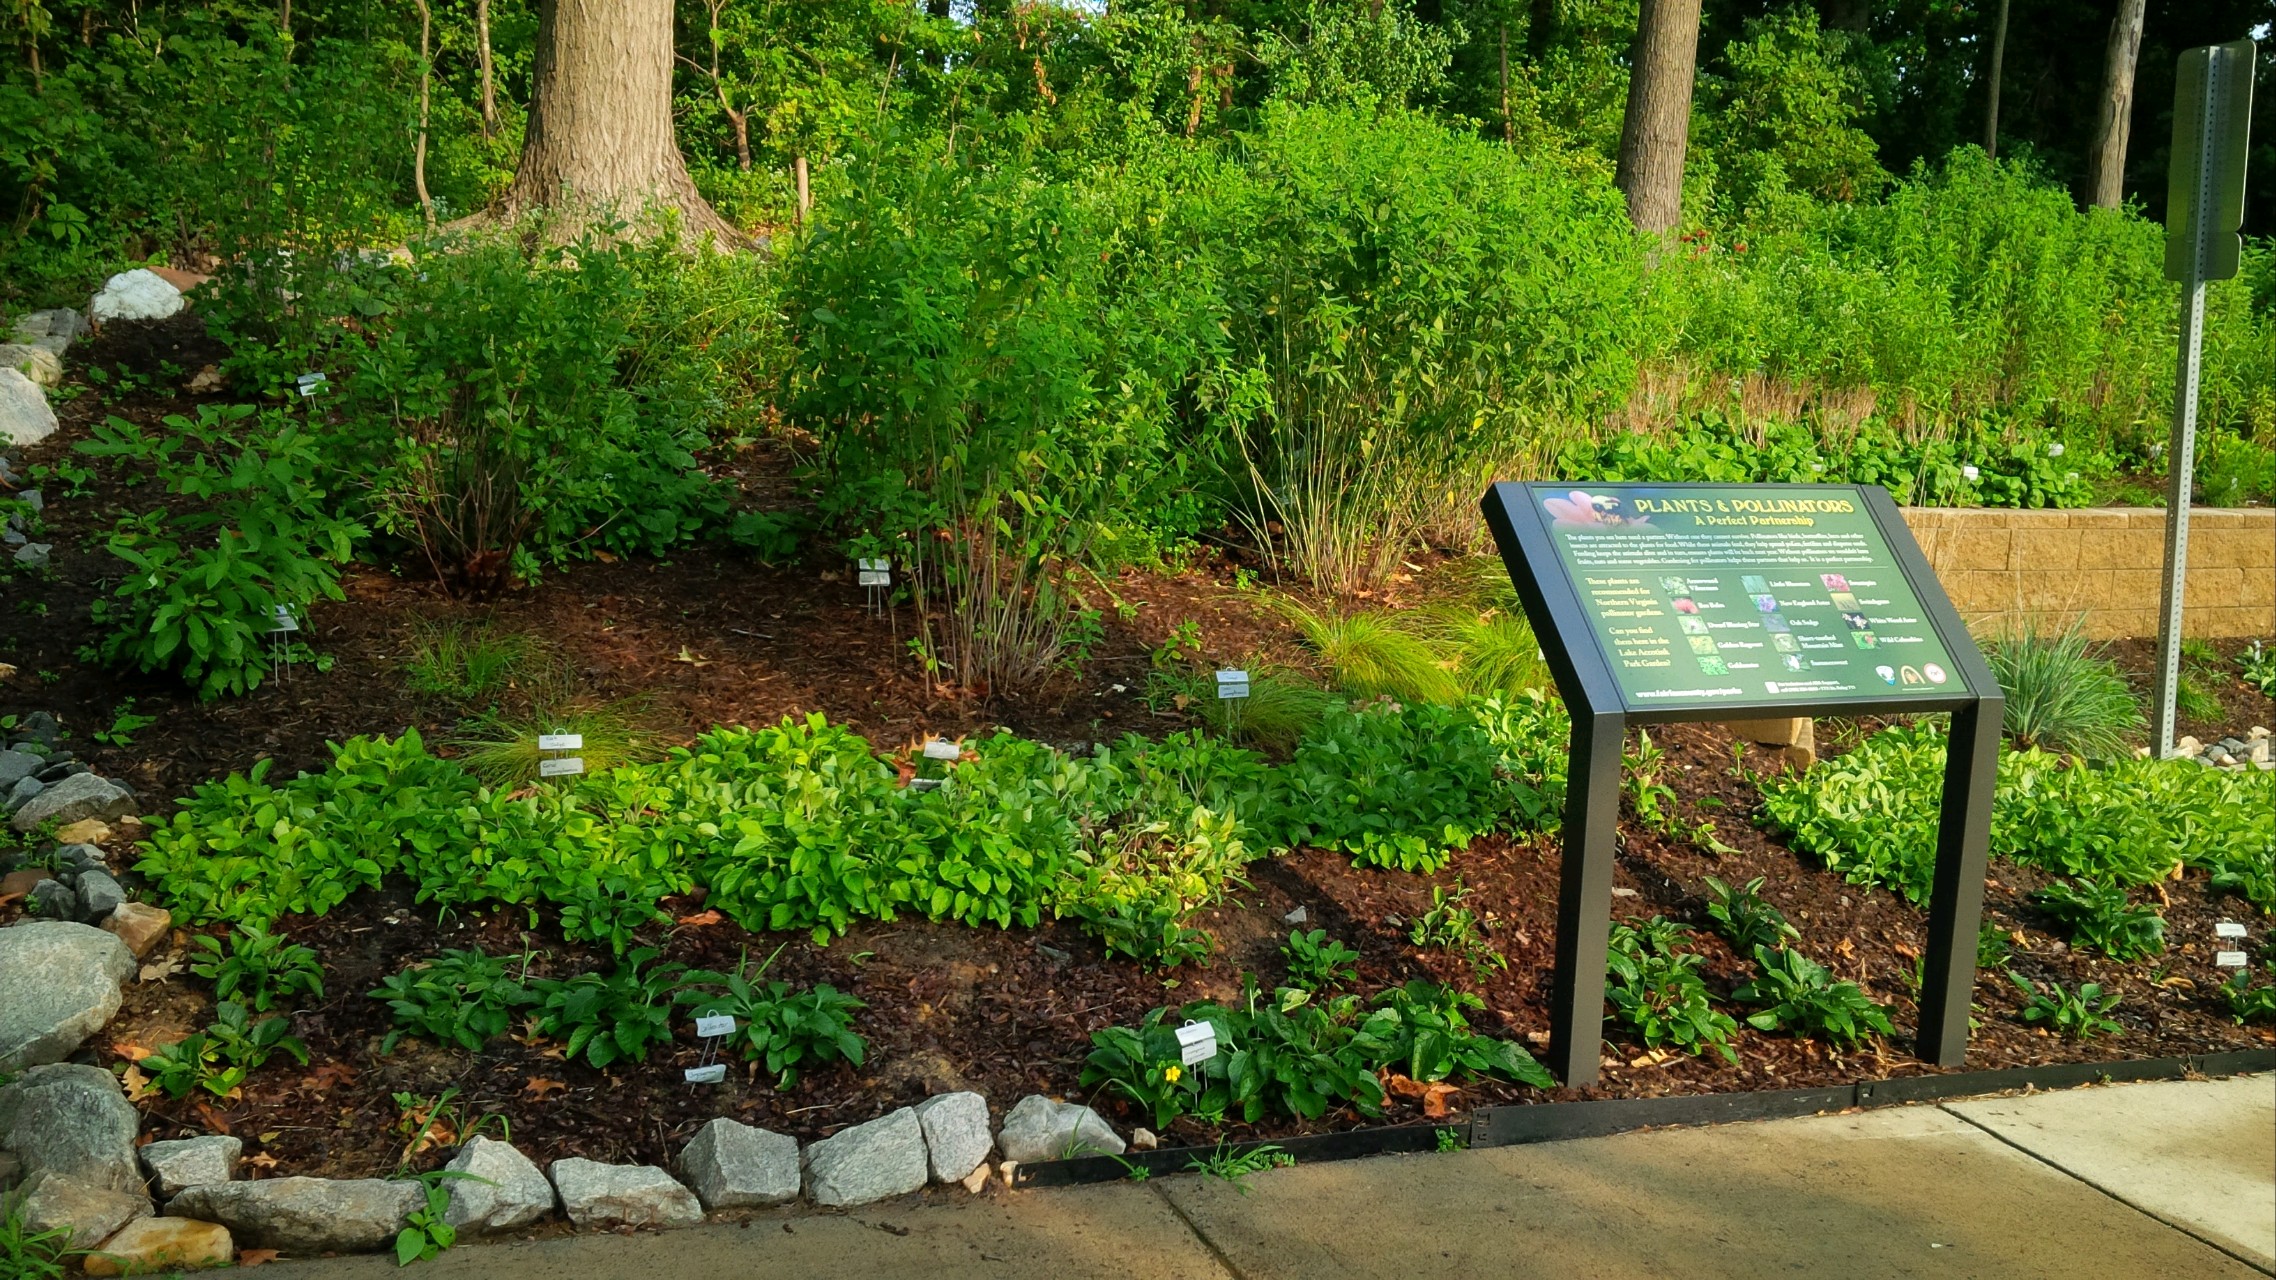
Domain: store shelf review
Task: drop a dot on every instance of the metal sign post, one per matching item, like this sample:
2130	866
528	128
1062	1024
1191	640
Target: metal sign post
2212	112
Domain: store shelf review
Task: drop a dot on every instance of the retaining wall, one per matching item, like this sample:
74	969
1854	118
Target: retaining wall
2004	567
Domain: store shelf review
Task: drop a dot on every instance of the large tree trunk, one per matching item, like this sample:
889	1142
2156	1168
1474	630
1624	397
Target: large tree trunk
600	124
1658	125
2117	107
1998	57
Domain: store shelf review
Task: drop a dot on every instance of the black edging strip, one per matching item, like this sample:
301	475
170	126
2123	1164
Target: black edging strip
1553	1121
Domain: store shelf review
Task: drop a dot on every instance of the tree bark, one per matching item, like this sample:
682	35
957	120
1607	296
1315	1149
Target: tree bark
2117	107
426	83
1998	57
1509	132
600	141
1658	125
489	78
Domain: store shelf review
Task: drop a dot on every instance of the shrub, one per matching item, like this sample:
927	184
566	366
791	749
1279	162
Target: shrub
219	1058
1316	962
1656	991
2098	917
2079	1015
2061	695
777	1026
622	1014
2250	1002
264	966
1744	919
462	997
1803	998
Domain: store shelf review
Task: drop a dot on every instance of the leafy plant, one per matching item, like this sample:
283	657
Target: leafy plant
29	1254
1803	997
427	1230
2258	662
621	1014
1372	654
466	663
501	749
1317	963
1236	1167
124	725
777	1026
2080	1014
1656	990
439	1122
2098	917
1280	709
219	1058
2250	1002
1652	799
1744	919
1449	926
264	966
2063	696
1991	947
1421	1029
465	998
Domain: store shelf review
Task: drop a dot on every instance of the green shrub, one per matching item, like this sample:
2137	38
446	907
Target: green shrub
219	1058
1655	990
1803	998
1374	653
777	1026
2078	1015
2098	917
605	1017
2062	696
1744	919
459	997
2248	1001
263	966
1280	709
1316	962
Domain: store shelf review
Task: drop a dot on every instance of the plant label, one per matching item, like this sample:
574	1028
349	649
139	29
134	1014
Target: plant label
2228	929
942	749
2229	959
717	1024
281	620
1232	684
874	573
1197	1042
309	382
560	742
924	784
561	767
713	1074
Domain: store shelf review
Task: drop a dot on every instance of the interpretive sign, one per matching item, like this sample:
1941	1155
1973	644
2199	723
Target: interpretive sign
1668	602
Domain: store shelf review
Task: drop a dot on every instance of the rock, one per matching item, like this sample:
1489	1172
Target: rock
17	884
206	381
885	1157
80	857
977	1180
82	795
192	1162
146	1245
51	1201
54	900
139	294
304	1215
59	983
41	365
40	726
15	765
34	555
25	417
140	926
71	1119
88	832
1039	1129
2188	745
1298	916
58	770
734	1166
1144	1140
58	325
21	794
504	1190
609	1195
956	1134
99	896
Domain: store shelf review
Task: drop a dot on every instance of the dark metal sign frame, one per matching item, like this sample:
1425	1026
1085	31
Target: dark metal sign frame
1601	717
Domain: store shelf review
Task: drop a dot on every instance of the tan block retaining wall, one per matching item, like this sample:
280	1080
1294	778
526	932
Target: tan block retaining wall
2003	567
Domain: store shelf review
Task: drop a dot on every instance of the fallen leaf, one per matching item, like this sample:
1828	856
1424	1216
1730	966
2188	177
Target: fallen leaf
261	1160
130	1051
1908	951
1403	1086
7	898
160	970
1434	1100
214	1121
255	1257
604	557
138	1085
701	918
539	1086
692	659
321	1079
1845	948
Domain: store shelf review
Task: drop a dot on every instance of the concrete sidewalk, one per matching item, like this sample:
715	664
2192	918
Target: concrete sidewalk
2166	1179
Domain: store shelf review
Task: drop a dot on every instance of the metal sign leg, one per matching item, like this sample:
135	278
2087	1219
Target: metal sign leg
1584	897
1956	903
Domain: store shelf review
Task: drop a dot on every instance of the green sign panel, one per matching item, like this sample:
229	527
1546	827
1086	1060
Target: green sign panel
1729	596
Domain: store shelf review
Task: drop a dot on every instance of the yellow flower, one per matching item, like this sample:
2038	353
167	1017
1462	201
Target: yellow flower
1170	1075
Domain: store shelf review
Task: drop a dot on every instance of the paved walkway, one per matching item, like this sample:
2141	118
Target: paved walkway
2167	1179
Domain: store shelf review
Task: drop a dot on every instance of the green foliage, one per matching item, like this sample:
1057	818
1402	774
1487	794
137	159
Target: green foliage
621	1014
1373	653
1451	927
1420	1029
1317	963
264	966
426	1230
1744	919
501	748
2079	1015
466	663
1281	707
777	1026
2098	917
1237	1167
202	584
2259	665
1784	114
219	1058
29	1254
465	998
2249	1001
1802	997
1656	991
1992	947
2063	696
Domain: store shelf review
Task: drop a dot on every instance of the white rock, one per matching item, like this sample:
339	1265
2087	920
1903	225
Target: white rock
25	417
885	1157
1039	1130
1144	1140
304	1215
59	983
51	1202
37	363
139	294
956	1134
72	1119
191	1162
503	1189
610	1195
734	1166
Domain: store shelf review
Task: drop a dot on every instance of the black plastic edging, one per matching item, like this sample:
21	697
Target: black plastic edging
1555	1121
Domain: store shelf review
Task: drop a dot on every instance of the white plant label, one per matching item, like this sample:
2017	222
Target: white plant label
943	749
717	1024
2229	959
2228	929
281	619
309	382
560	742
713	1074
923	784
874	573
1232	684
1197	1042
560	768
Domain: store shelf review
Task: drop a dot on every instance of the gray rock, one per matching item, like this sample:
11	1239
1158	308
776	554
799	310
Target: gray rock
59	983
57	770
34	555
99	896
956	1134
734	1166
502	1189
611	1195
82	795
1039	1130
21	794
885	1157
304	1215
25	417
41	365
16	765
192	1162
37	501
71	1119
59	324
79	857
140	294
54	900
51	1201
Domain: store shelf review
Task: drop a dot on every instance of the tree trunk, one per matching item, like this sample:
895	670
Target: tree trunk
1658	124
1509	132
805	189
600	141
426	83
1999	56
489	78
2117	108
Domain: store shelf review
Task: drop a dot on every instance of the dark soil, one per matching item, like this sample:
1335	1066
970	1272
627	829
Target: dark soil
714	638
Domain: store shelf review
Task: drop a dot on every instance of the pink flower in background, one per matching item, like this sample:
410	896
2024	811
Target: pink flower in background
1580	510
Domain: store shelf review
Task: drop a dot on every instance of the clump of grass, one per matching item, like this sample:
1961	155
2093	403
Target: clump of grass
1280	709
1375	653
1495	652
2062	695
468	663
501	748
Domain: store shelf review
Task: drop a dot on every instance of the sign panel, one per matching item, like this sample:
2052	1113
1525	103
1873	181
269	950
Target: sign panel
1710	597
2204	199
